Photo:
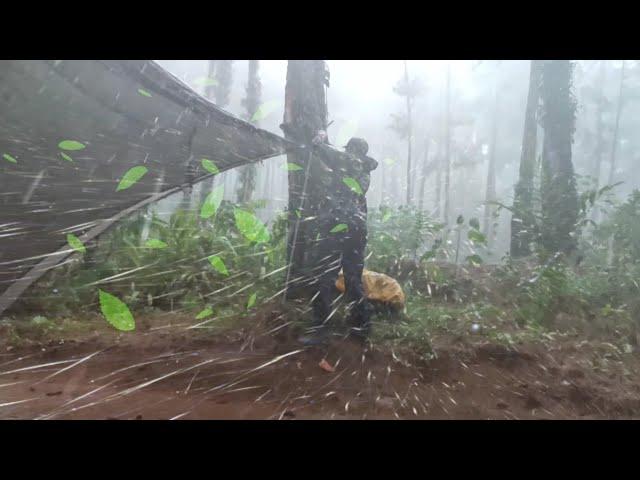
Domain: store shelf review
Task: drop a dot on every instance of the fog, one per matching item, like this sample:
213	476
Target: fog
361	102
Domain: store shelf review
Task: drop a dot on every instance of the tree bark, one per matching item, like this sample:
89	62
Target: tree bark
614	142
305	113
522	221
409	132
559	194
490	194
423	178
251	103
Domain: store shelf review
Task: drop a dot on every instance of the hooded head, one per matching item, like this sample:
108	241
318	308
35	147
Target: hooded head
357	146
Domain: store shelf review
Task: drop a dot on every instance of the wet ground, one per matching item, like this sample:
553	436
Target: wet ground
170	374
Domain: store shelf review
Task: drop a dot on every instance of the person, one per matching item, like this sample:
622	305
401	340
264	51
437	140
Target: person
341	235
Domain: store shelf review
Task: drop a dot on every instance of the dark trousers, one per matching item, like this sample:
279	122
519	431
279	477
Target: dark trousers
340	249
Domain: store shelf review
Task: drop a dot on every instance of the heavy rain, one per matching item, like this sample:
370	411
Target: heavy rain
308	239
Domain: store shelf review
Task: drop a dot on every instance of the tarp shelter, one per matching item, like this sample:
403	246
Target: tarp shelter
114	115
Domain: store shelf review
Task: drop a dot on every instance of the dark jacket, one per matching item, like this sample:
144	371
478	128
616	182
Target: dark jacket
345	181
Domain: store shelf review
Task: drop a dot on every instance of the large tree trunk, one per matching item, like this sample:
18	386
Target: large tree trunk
251	102
305	112
614	143
522	221
559	195
447	149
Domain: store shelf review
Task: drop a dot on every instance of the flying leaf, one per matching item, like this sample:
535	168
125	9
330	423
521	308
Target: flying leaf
9	158
250	226
75	243
353	184
217	263
298	214
476	237
291	167
209	166
116	312
205	82
474	259
71	145
155	243
131	177
252	300
66	157
342	227
264	110
204	313
212	202
474	223
144	93
389	161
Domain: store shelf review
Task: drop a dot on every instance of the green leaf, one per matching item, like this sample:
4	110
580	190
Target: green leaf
217	263
250	226
155	243
264	110
212	202
144	93
474	223
389	161
209	166
66	157
298	214
353	184
474	259
386	216
71	145
460	220
116	312
9	158
476	237
131	177
204	313
342	227
291	167
252	300
75	243
205	81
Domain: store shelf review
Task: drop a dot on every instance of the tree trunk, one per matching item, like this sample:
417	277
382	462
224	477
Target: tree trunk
409	133
424	174
559	195
447	149
490	194
522	221
305	113
207	185
597	164
614	142
251	102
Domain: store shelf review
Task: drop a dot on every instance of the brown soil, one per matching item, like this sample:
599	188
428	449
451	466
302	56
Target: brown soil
173	373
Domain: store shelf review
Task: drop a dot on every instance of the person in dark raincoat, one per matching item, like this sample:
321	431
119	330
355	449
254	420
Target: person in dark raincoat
341	235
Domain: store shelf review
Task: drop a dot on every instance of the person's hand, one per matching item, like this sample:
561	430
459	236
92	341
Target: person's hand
320	137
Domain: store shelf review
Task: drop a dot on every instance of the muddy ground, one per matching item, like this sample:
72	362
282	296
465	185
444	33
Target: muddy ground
170	372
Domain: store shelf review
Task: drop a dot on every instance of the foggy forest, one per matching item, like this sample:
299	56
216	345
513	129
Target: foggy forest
307	239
